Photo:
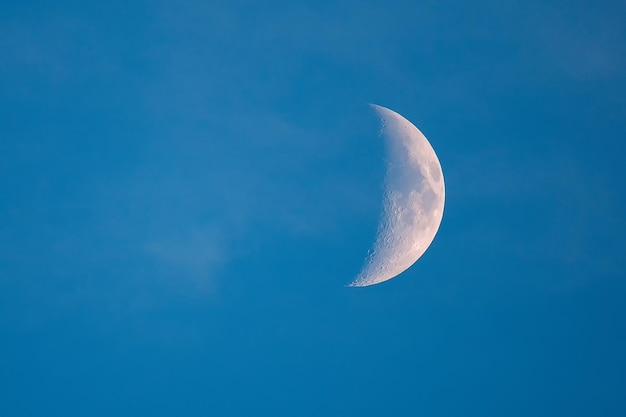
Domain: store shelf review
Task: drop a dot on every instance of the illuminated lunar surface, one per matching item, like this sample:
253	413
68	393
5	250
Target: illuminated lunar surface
413	201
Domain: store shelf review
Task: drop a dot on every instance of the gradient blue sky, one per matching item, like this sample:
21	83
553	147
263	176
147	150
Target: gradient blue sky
186	187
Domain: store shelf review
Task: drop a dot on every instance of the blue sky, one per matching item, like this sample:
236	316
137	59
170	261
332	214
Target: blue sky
186	189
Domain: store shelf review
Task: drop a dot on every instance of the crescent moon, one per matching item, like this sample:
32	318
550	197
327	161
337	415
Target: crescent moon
413	202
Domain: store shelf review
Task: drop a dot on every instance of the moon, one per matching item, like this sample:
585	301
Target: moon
413	201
